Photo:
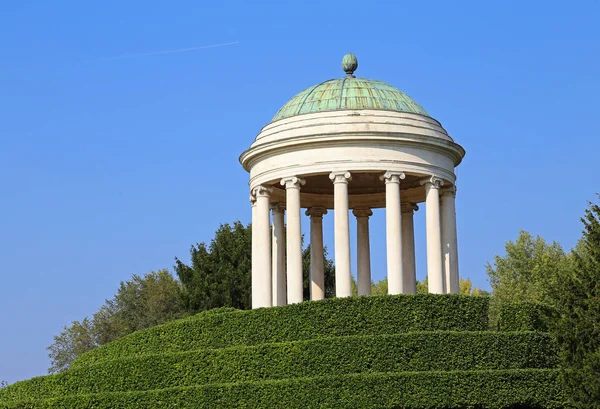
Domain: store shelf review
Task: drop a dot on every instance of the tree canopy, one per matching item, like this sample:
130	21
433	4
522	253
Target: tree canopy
220	272
578	330
466	287
529	271
139	303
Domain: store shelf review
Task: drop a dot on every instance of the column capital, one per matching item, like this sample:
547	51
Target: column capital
362	212
340	177
434	181
316	211
292	182
392	177
409	207
252	198
450	190
262	191
277	207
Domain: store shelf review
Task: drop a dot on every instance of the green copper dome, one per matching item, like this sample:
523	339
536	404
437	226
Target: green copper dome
349	93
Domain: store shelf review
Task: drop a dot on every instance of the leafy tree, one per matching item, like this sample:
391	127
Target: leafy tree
380	287
139	303
529	271
466	287
3	384
578	329
73	341
423	286
220	273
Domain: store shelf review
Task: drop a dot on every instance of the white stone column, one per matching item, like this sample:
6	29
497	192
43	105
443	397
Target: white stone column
293	239
435	272
317	256
255	274
449	240
409	270
393	231
261	249
343	283
363	249
278	256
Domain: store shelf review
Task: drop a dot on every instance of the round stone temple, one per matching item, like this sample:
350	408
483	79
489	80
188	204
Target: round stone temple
349	64
350	144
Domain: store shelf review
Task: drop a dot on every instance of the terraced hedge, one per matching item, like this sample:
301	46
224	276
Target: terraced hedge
422	351
459	389
376	315
526	316
410	351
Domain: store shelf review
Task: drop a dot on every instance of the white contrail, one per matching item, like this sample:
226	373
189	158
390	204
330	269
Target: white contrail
181	50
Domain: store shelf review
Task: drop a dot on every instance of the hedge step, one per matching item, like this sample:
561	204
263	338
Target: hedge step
422	351
457	389
373	315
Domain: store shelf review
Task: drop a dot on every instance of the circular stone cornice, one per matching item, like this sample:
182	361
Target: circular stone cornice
368	128
368	141
352	120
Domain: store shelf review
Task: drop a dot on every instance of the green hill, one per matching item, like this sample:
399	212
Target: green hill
410	351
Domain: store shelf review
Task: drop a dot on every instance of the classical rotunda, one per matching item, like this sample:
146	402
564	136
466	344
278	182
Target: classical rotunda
350	144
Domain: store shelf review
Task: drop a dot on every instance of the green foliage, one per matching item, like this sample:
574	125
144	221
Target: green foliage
529	271
331	317
453	389
73	341
380	287
578	330
526	316
410	351
423	286
466	287
422	351
141	302
219	275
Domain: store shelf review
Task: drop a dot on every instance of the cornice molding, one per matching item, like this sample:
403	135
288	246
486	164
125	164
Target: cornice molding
343	139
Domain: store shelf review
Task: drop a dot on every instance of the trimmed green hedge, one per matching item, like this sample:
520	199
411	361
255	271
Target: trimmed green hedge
373	315
423	351
459	389
526	316
381	352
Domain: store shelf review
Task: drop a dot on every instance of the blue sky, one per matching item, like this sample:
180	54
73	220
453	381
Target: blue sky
114	166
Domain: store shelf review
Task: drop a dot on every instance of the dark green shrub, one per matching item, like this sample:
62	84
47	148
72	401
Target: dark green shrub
526	316
375	315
